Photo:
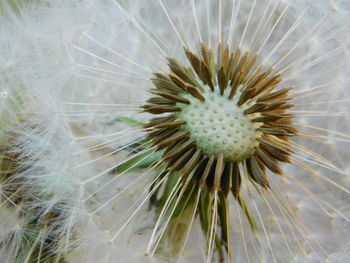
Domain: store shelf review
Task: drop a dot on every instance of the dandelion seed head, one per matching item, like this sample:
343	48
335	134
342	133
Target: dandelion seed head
226	111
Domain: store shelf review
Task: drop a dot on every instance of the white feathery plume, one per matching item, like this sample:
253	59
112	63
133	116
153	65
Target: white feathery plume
40	157
44	181
43	134
11	231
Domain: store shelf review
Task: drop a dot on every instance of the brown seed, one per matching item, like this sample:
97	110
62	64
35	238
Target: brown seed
160	101
195	62
274	95
236	180
171	97
218	171
207	171
193	162
179	148
177	164
194	92
258	107
226	179
155	121
207	78
177	136
170	124
270	163
222	80
166	85
159	109
182	72
256	173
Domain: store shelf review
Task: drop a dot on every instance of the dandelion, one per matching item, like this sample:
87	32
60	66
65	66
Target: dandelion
177	131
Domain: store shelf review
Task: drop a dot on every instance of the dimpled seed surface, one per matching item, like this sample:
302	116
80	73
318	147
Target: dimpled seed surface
219	126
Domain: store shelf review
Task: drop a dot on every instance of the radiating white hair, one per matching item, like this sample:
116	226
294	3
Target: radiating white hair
70	71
